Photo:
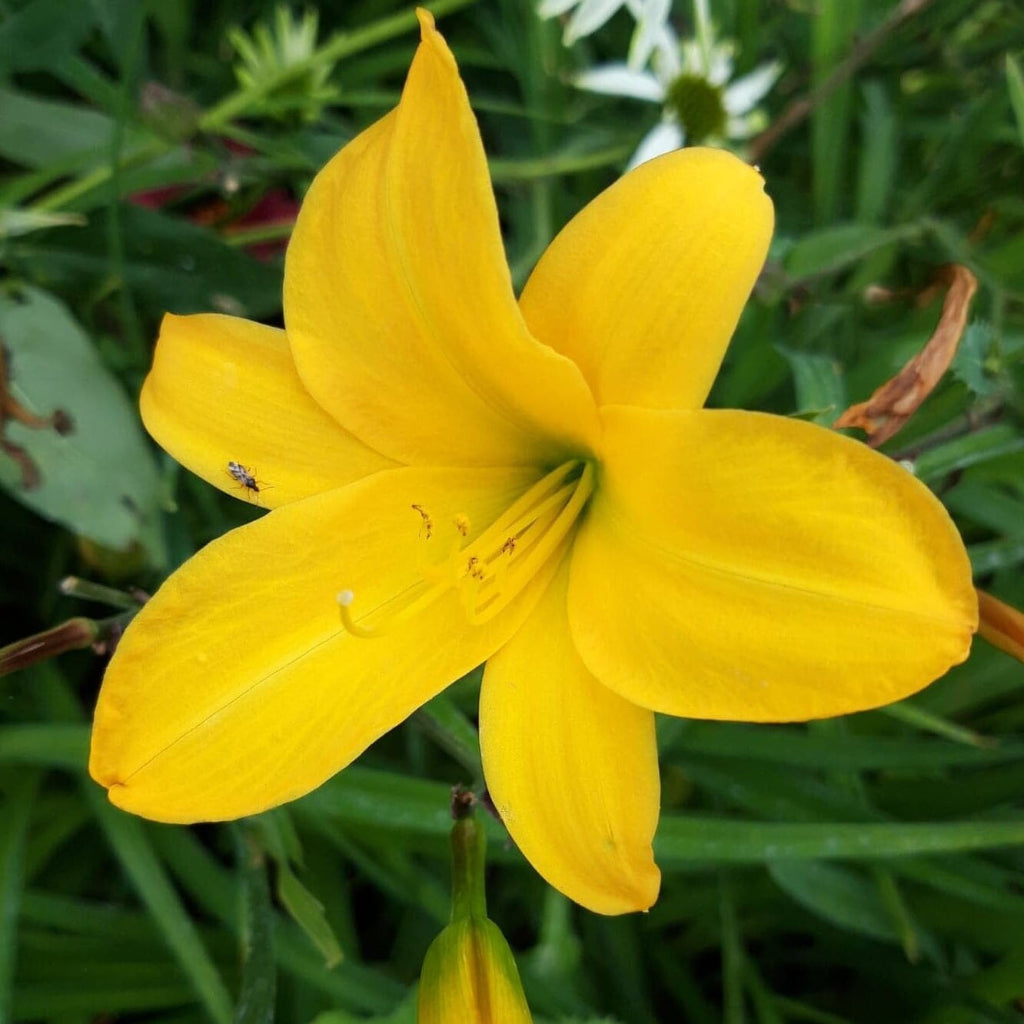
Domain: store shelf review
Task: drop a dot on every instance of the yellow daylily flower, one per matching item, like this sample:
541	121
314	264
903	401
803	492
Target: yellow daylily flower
531	484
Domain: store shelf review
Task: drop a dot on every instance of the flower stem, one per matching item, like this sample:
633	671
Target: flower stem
469	852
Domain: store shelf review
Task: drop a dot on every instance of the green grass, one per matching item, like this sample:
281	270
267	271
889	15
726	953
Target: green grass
864	870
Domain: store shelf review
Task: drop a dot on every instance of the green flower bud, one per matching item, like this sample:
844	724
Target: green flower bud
469	975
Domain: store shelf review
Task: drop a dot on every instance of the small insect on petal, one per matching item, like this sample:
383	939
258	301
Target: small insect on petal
244	477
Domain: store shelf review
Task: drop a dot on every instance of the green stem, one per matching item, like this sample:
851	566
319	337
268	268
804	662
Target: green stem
342	44
242	102
469	853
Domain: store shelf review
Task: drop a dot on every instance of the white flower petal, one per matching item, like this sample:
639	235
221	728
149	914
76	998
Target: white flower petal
662	138
619	80
651	22
554	8
720	64
589	17
666	59
745	93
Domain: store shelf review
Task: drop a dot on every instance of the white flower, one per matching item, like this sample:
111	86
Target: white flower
651	18
691	82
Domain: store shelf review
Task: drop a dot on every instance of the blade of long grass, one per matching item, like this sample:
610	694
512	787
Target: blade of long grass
683	840
14	824
130	844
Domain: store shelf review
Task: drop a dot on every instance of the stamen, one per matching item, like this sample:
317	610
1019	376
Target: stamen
492	569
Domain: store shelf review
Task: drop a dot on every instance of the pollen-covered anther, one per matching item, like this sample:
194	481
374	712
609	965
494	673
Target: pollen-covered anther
427	529
461	524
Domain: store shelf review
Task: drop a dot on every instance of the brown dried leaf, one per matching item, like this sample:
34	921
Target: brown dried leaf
885	412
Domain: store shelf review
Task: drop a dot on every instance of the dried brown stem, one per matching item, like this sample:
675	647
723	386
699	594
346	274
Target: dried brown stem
865	47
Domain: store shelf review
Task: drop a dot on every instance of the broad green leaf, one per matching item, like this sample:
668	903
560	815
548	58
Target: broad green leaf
834	248
42	33
972	363
37	132
841	895
97	475
819	384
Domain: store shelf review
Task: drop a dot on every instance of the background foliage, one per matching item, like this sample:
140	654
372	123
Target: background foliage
867	869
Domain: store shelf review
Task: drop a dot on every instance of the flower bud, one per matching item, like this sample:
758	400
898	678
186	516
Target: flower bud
469	975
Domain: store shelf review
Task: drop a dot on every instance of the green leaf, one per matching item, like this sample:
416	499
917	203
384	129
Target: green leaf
97	477
682	840
819	384
50	745
1015	87
23	222
17	805
835	248
978	446
972	362
256	994
36	132
877	161
308	913
838	894
170	264
41	34
128	839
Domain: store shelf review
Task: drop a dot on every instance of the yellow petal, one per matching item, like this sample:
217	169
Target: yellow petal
644	287
571	767
225	390
470	977
398	302
750	567
236	687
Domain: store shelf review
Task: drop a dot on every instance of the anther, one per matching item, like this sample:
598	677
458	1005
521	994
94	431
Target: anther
428	523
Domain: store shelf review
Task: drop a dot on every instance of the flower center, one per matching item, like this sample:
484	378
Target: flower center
489	571
699	105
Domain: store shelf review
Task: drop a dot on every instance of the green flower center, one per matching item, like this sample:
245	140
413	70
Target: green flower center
699	106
